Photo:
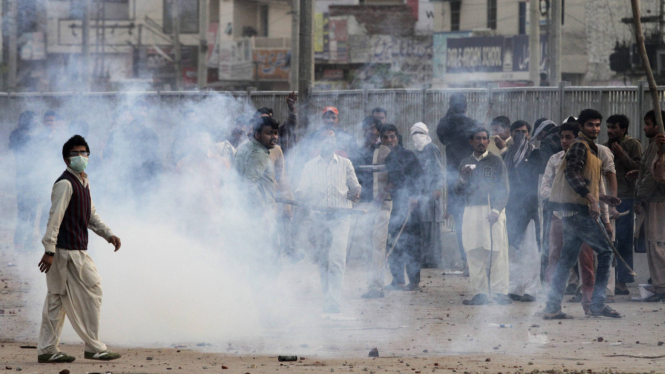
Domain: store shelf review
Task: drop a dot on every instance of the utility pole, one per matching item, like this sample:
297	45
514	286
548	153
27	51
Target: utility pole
534	42
305	60
13	43
202	75
85	44
555	43
295	24
175	22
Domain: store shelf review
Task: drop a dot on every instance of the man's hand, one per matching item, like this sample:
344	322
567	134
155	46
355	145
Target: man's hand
610	200
594	207
637	208
632	175
614	213
436	194
291	101
500	143
617	150
353	195
413	203
116	242
45	263
608	228
493	218
466	171
660	138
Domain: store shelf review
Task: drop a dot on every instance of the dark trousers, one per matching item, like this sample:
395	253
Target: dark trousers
577	230
624	238
407	252
518	216
455	208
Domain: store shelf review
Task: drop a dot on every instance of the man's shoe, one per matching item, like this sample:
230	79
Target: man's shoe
502	299
515	297
655	298
55	358
412	287
102	356
394	287
618	291
570	289
605	312
526	298
374	294
478	299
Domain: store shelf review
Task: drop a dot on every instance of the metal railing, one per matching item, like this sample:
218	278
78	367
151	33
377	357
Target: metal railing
405	107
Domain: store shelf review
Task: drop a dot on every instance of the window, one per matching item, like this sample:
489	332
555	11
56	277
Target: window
189	16
491	14
263	14
521	24
110	9
455	11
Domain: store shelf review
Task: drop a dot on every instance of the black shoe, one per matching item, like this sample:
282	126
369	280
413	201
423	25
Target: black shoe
526	298
479	299
655	298
412	287
570	289
618	291
502	299
394	287
374	294
514	297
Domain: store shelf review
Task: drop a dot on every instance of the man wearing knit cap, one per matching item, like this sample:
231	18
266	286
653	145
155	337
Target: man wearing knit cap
346	143
74	287
430	204
453	131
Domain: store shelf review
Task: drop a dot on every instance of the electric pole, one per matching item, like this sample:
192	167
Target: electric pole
175	22
202	75
555	43
305	60
85	45
295	24
534	42
13	43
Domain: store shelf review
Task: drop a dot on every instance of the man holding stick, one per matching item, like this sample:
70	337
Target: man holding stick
483	183
650	205
576	196
329	181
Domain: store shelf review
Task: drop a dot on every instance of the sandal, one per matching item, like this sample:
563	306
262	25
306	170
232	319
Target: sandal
559	315
606	312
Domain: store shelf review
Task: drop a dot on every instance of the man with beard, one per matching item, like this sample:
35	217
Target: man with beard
650	205
483	183
627	156
576	196
431	204
501	139
453	131
523	164
405	185
328	182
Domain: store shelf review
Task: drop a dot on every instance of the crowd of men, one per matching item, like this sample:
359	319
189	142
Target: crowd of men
536	209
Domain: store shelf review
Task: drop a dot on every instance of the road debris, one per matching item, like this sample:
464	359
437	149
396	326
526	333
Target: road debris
374	352
287	358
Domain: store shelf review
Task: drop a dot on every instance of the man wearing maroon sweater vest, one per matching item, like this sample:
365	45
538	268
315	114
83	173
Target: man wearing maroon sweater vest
74	287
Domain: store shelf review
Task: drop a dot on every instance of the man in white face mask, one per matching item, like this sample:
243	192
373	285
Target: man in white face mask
74	287
430	204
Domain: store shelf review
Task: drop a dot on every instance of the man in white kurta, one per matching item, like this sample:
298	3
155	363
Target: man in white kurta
484	184
328	182
74	287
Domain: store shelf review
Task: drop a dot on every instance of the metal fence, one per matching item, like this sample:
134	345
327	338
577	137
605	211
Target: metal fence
404	107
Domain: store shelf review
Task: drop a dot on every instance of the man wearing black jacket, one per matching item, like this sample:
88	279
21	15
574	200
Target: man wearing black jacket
405	184
453	131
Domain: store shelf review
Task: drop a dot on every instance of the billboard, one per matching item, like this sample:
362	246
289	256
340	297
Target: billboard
272	64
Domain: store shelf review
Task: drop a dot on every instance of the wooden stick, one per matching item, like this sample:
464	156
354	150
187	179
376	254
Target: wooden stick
645	64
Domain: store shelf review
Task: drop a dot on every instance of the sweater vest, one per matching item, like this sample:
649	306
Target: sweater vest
73	232
564	197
